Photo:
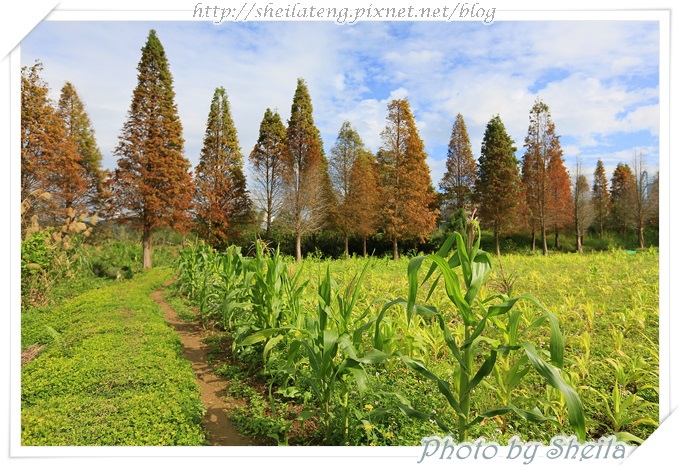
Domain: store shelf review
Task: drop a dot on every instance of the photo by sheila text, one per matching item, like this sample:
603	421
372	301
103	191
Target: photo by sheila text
560	448
264	11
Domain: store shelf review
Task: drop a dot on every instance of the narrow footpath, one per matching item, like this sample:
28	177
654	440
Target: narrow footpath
220	431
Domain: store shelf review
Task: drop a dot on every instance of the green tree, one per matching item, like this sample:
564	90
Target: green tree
306	178
79	127
223	208
623	197
344	155
498	180
461	169
268	159
152	185
601	198
408	193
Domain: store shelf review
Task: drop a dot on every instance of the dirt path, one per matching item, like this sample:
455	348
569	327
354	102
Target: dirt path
219	428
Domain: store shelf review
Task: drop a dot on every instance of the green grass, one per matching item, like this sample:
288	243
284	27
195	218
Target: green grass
111	372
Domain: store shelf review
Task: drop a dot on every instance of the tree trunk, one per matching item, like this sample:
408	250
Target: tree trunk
533	240
641	236
298	248
346	245
557	239
545	240
365	252
579	241
147	248
498	243
395	249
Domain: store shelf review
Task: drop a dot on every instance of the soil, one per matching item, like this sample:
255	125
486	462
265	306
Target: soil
219	430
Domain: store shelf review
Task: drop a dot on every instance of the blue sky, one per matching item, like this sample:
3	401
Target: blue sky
600	78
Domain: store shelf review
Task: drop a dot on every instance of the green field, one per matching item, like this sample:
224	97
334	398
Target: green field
300	347
606	304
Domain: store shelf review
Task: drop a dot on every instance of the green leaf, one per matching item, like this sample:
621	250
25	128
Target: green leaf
551	374
260	336
484	370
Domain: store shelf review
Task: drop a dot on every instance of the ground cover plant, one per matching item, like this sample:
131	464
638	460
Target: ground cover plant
109	372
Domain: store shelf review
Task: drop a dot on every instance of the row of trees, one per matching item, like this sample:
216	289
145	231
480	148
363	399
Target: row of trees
295	187
536	194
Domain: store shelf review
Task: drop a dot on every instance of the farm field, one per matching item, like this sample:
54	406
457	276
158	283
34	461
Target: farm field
128	361
305	335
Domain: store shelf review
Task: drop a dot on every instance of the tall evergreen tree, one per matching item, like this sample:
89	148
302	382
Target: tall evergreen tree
152	185
306	171
223	208
79	127
409	196
344	154
364	198
601	197
498	179
461	169
622	196
268	159
53	180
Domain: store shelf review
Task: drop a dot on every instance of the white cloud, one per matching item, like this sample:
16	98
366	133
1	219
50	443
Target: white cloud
608	84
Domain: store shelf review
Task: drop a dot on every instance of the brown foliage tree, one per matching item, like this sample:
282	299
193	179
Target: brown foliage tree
223	208
152	185
79	128
559	211
461	169
409	196
53	180
364	197
545	181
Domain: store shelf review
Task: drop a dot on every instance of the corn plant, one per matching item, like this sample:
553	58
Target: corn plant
626	410
476	314
329	343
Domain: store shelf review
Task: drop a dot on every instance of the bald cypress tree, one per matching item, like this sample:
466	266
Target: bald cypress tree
53	180
408	193
79	128
344	154
461	170
267	159
601	199
305	174
152	185
223	208
498	182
